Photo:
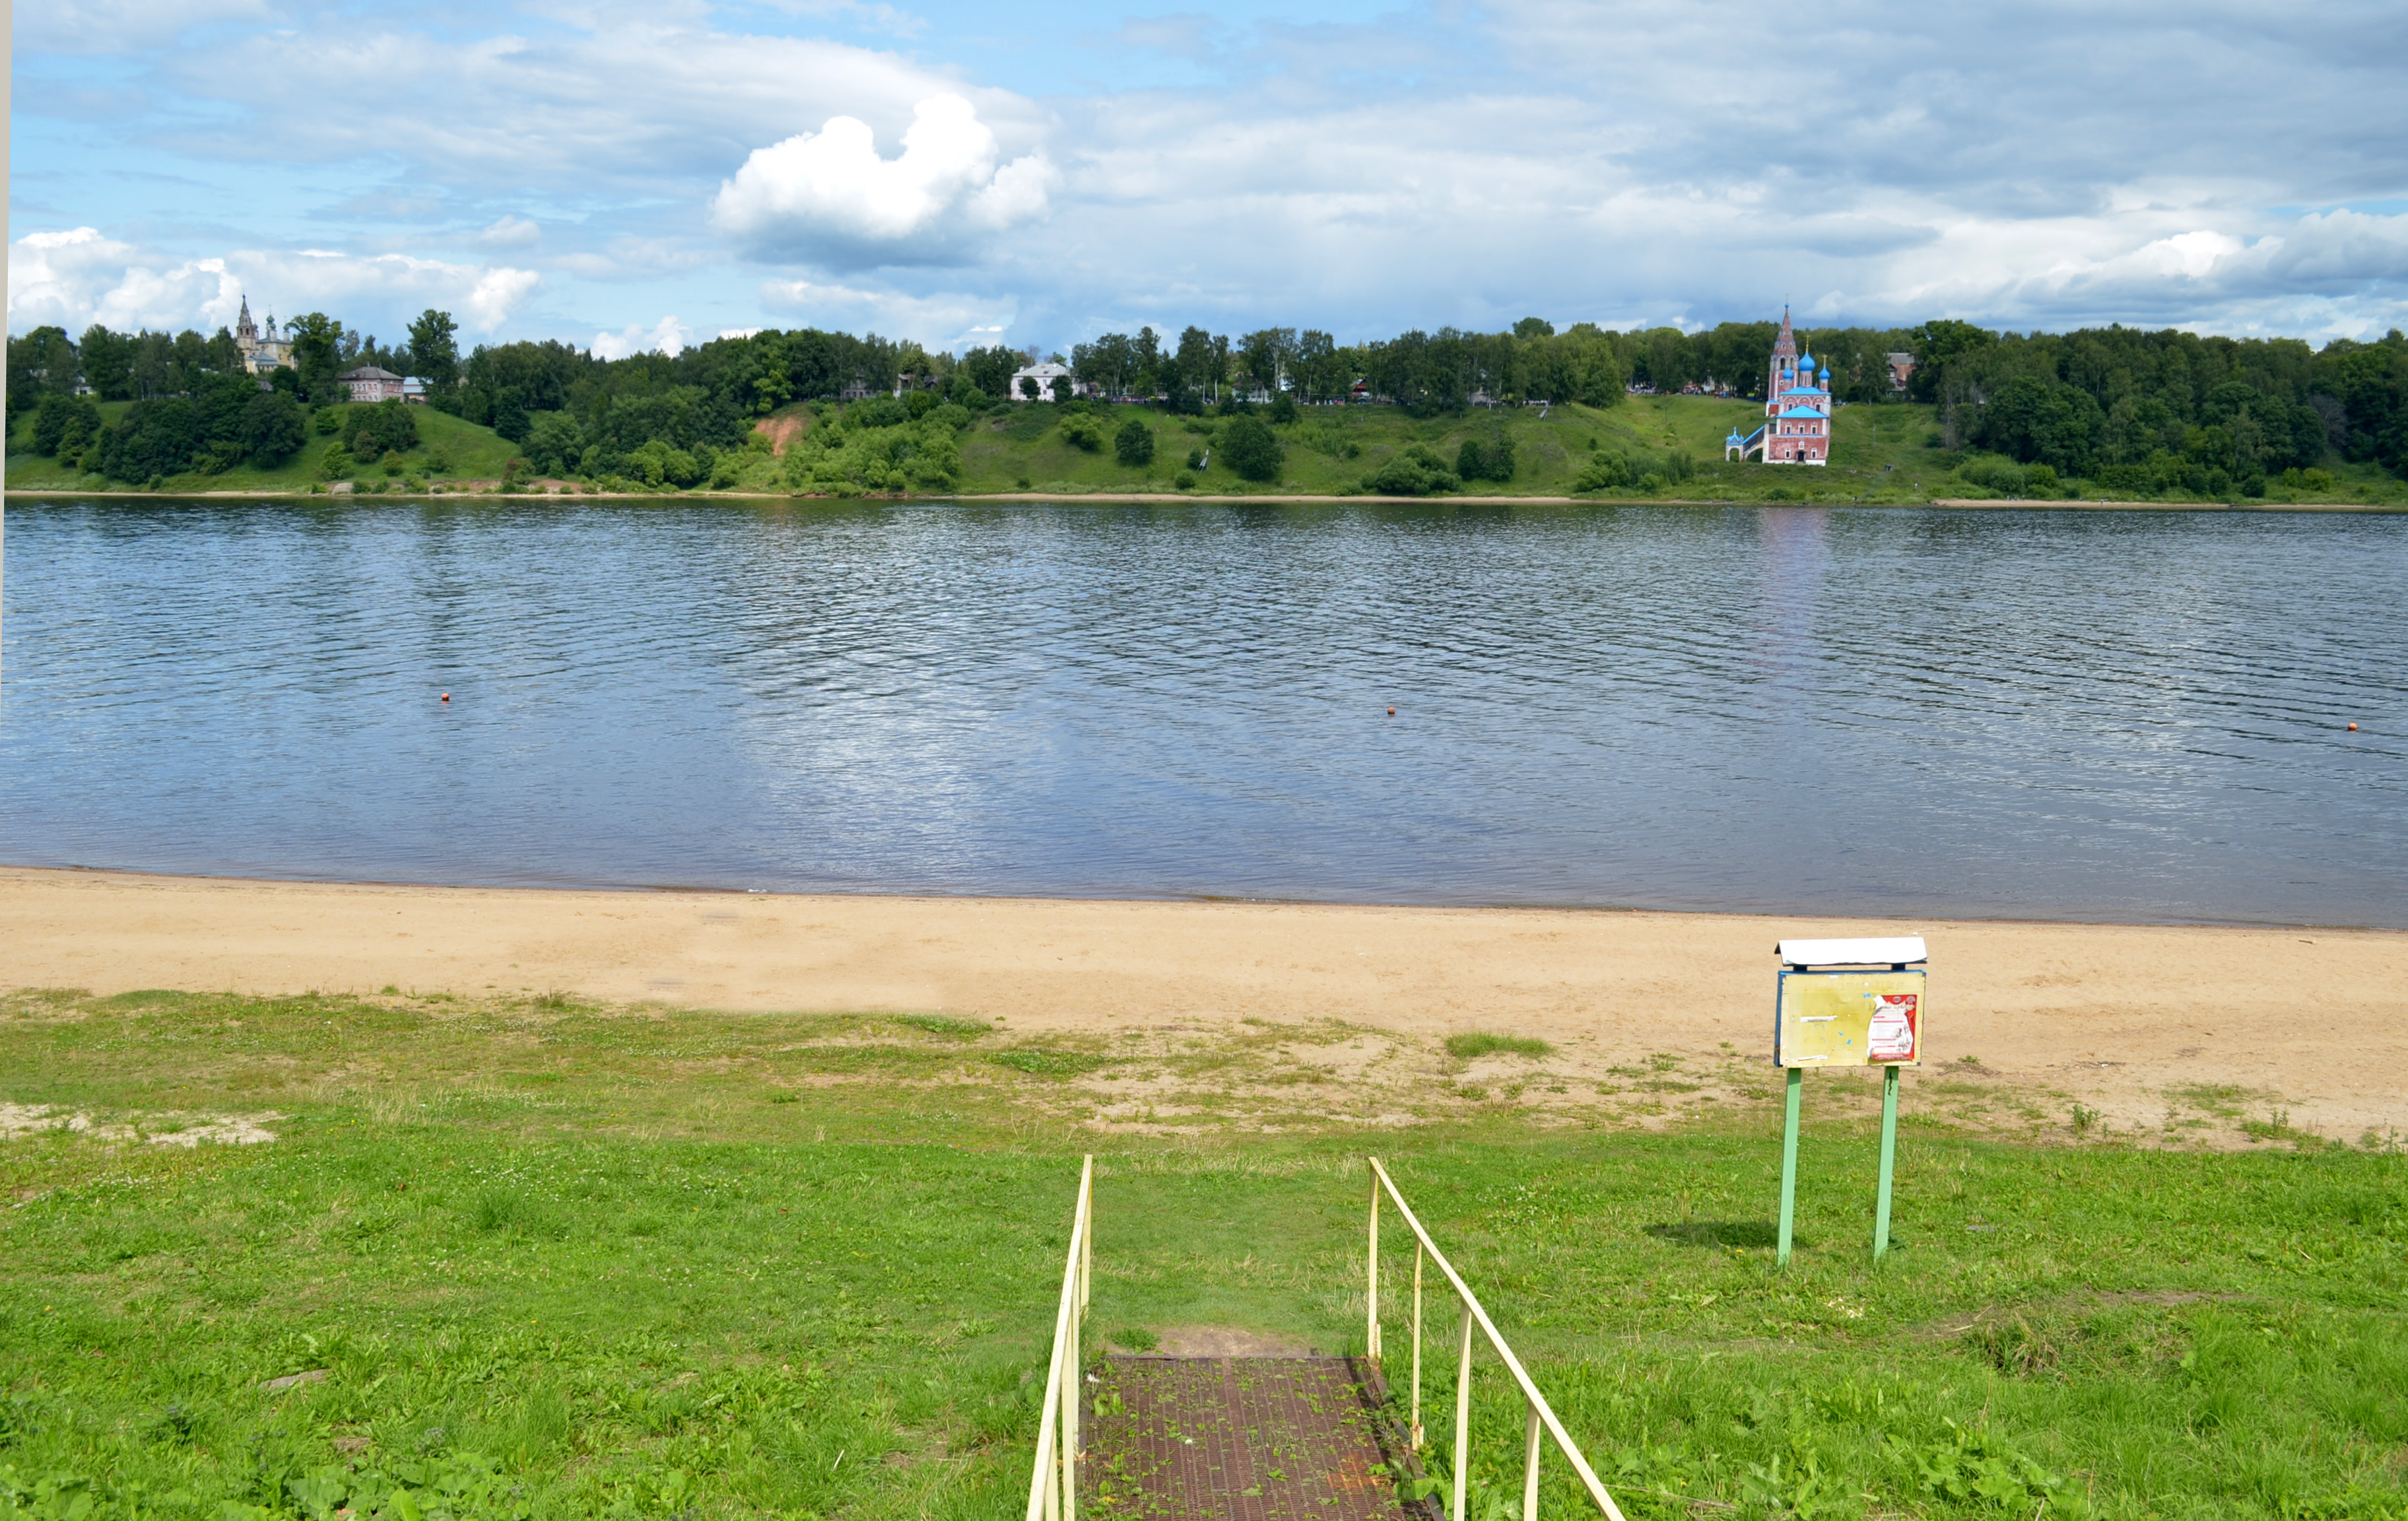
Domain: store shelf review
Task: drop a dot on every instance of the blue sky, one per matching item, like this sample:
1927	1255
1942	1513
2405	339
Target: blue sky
630	175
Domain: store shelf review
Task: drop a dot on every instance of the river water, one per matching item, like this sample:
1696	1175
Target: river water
2043	714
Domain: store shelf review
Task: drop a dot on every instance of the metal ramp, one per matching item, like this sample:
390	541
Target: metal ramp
1267	1439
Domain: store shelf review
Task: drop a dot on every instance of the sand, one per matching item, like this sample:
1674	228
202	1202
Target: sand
2313	1021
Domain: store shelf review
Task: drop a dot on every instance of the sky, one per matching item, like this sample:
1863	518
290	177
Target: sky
637	176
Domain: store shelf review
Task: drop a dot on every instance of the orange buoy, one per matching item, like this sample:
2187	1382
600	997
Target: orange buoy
2353	728
447	697
1392	712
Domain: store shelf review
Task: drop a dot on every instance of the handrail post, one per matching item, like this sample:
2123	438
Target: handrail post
1417	1347
1530	1468
1372	1274
1463	1416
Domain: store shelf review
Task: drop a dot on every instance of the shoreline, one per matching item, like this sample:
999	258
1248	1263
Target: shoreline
642	889
2126	1018
1257	499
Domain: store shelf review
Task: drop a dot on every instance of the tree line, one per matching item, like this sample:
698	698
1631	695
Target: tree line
2145	410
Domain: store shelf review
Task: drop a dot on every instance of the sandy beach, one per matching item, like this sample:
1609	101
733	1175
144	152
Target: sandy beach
2313	1020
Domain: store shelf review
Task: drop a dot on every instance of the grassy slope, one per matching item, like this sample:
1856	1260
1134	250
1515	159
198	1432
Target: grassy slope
1879	453
471	452
656	1264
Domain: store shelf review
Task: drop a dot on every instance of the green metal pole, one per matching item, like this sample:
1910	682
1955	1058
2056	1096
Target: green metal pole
1888	1162
1789	1163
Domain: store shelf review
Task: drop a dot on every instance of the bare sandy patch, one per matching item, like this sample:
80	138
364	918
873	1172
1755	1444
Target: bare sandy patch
2155	1031
160	1130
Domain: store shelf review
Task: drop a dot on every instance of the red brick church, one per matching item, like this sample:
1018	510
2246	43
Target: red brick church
1797	411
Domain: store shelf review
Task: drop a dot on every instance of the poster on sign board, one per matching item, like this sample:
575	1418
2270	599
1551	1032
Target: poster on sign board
1850	1019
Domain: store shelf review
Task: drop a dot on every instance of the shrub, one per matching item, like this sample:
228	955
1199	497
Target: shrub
1491	460
327	421
1184	481
1419	471
1083	430
1253	450
1282	407
63	424
374	430
271	428
1133	443
1610	470
2008	478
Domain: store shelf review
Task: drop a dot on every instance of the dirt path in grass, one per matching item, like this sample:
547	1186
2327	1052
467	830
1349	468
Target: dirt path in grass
2162	1030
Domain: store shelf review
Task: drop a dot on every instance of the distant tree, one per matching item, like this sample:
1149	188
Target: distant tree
108	363
1534	327
64	424
1028	387
1133	443
434	351
42	363
989	369
272	429
317	355
1252	449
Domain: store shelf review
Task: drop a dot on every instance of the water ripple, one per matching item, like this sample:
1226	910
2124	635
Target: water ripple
2053	714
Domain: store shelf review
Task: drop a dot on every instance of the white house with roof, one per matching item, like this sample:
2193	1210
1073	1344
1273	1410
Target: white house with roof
1047	378
1797	411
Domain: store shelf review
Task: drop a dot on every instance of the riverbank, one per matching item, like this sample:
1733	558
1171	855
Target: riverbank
2206	1033
1247	499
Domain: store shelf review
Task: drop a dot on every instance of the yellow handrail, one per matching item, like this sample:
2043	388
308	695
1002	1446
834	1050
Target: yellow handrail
1542	1415
1059	1500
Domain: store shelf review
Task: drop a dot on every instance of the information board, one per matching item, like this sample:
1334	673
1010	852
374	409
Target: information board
1850	1019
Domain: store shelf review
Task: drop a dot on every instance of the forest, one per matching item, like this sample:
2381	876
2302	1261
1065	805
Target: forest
2143	412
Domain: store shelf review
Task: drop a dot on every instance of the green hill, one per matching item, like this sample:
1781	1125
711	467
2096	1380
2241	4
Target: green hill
450	451
1668	448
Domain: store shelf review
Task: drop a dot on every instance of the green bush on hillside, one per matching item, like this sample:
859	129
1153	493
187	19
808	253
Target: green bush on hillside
1613	470
1419	471
1134	444
1253	450
228	419
371	430
63	424
1490	461
1083	430
1987	472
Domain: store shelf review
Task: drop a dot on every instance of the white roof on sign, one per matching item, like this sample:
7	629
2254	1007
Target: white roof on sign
1878	951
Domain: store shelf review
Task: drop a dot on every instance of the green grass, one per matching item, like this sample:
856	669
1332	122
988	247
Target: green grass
467	451
1470	1047
581	1263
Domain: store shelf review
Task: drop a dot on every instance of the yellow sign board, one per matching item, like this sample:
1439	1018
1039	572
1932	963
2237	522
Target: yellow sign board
1850	1019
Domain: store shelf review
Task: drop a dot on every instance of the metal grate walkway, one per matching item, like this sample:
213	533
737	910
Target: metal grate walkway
1240	1439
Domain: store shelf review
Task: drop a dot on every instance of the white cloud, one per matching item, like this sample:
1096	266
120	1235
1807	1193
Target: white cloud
830	195
79	277
104	26
509	232
75	278
941	320
668	336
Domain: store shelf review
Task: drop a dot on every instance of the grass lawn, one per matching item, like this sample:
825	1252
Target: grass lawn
564	1260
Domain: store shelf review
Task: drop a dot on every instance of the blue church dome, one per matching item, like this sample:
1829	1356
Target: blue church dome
1807	363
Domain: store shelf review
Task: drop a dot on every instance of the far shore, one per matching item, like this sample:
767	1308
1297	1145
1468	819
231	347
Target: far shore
2127	1019
1258	499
